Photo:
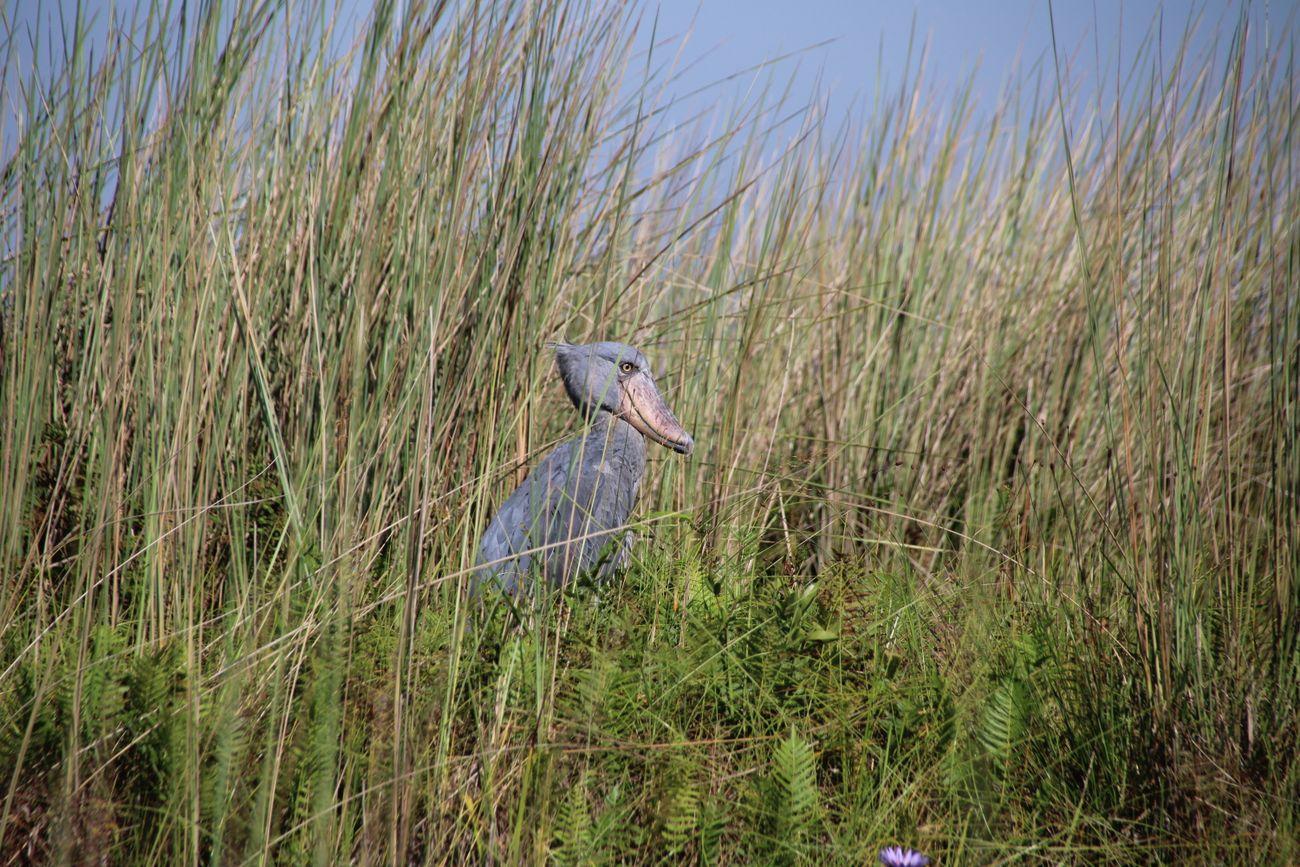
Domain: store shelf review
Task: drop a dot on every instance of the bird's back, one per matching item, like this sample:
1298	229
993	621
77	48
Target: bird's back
569	515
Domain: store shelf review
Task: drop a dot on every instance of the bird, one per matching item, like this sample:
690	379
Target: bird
569	516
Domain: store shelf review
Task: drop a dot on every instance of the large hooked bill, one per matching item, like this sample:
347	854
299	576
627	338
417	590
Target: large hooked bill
645	410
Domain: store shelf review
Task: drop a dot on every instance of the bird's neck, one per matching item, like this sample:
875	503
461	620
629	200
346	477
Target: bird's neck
618	441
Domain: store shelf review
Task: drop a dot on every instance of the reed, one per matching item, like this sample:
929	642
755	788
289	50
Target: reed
989	545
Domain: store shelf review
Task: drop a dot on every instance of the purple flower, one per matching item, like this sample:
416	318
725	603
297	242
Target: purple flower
898	856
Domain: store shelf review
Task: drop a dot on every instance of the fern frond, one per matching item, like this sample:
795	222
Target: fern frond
681	817
574	840
793	792
1005	721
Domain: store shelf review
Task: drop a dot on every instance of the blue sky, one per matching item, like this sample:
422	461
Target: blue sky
989	40
867	41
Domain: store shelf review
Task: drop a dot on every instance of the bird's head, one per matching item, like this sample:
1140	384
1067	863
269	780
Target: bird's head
615	378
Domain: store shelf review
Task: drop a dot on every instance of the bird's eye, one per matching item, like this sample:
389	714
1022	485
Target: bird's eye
627	367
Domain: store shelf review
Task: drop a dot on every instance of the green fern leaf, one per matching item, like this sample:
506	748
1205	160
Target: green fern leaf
573	829
793	792
681	817
1005	721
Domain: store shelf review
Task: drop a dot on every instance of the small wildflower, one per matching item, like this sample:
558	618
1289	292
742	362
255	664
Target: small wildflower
899	856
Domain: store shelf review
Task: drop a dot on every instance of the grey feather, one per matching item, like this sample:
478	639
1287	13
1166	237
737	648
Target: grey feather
574	504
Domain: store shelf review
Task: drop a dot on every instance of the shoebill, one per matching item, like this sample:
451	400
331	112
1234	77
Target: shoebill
569	517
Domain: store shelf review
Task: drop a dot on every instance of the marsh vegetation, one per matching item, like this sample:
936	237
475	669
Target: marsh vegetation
988	545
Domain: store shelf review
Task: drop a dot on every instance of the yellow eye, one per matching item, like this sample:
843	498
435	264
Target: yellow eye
627	367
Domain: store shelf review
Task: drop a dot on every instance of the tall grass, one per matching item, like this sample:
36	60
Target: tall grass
989	545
